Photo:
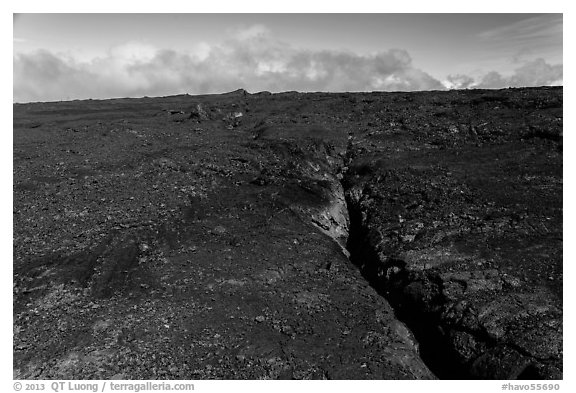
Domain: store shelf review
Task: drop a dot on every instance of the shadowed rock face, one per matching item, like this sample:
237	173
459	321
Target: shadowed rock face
208	237
464	238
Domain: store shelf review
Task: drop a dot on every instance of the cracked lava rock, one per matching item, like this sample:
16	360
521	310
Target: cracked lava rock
290	236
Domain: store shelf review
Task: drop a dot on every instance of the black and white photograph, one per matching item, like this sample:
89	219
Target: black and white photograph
286	196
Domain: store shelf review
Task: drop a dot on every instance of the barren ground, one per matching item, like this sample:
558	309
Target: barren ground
266	236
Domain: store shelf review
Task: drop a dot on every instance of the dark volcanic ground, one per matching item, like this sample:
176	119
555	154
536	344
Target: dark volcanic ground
262	236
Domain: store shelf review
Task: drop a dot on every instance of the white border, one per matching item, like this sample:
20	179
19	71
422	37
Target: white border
299	6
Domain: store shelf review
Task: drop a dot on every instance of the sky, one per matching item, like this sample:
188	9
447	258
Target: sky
79	56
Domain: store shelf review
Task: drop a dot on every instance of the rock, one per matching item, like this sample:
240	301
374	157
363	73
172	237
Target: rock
450	208
219	230
100	326
199	113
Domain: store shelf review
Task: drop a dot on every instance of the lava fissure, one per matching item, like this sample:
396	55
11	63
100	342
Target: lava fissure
434	350
419	300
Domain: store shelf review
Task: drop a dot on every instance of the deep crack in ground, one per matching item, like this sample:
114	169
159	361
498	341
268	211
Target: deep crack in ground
419	297
179	237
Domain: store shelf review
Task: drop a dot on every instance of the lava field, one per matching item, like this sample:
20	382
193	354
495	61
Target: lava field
290	236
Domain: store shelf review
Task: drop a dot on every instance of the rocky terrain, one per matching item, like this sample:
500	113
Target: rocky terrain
290	236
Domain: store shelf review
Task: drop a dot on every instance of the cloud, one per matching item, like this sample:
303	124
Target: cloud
534	73
537	73
251	59
43	75
545	28
492	80
459	81
527	39
133	52
250	32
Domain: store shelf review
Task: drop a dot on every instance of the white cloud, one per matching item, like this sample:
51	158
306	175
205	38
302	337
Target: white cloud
534	73
133	52
537	73
200	51
251	59
458	81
